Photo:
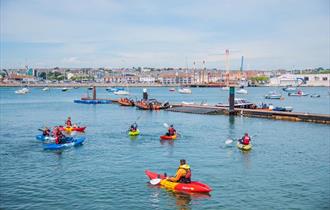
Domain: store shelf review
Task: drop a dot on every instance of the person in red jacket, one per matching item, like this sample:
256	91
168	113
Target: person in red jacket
245	139
68	122
171	131
59	137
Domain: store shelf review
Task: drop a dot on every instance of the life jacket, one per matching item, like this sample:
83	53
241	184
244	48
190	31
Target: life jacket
246	140
171	131
187	177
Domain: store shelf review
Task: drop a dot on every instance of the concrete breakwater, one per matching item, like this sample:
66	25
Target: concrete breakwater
277	115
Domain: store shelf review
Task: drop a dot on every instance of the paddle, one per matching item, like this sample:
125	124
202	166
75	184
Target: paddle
167	126
155	181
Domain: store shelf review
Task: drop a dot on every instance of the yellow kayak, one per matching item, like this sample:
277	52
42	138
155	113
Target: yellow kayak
134	133
244	147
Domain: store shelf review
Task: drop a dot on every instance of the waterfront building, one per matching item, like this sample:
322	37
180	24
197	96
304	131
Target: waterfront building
176	79
301	79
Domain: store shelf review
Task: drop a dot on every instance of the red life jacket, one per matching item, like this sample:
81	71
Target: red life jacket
171	131
246	140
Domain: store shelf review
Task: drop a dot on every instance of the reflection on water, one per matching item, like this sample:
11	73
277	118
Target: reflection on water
183	200
246	158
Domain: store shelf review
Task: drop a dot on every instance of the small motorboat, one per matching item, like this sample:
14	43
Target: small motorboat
273	95
184	90
239	103
241	91
172	89
126	102
298	93
121	92
187	103
315	96
289	89
225	88
65	89
283	109
114	89
151	104
45	89
22	91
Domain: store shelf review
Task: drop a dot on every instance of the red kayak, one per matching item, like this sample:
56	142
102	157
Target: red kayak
193	187
165	137
70	129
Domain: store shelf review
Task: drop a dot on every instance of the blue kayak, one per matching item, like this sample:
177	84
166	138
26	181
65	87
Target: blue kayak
70	142
44	138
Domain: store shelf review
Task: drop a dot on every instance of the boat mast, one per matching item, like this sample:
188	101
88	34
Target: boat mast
227	67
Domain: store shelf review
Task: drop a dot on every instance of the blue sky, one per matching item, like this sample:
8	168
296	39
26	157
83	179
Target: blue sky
270	34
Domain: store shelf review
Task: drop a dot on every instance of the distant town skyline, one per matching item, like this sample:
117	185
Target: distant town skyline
269	34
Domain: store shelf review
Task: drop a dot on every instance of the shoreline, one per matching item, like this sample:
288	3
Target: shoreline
128	85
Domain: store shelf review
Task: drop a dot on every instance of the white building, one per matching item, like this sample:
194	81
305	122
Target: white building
301	79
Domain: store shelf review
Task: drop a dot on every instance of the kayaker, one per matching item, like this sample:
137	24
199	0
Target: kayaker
133	127
183	174
46	131
59	137
245	139
171	131
68	122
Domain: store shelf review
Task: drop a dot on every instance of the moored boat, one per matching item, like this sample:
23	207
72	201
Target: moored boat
239	103
273	95
298	93
121	92
184	90
289	89
22	91
114	89
242	91
126	102
151	104
172	89
315	96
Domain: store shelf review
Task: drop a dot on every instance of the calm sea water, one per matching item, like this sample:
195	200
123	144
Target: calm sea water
288	167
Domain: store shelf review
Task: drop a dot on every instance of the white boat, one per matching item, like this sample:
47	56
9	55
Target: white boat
187	103
45	89
65	89
241	91
184	91
273	95
22	91
298	93
225	88
239	103
121	92
289	89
